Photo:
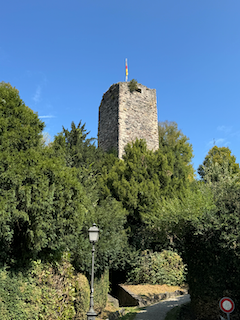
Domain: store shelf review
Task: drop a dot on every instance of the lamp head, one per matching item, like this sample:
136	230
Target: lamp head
93	233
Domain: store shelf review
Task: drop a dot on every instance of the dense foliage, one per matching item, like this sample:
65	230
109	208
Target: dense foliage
78	153
50	194
43	292
179	152
42	202
212	247
49	291
220	156
145	178
76	148
20	127
165	267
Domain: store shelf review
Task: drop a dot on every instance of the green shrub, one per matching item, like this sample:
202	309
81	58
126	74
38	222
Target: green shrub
212	250
165	267
101	289
44	292
213	267
18	297
132	85
82	298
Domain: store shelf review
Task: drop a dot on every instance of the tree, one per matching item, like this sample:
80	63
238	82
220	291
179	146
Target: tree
139	181
21	128
144	178
79	153
174	144
78	149
220	156
212	247
205	228
42	202
173	214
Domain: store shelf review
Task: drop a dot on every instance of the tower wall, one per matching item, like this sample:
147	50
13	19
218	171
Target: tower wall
125	116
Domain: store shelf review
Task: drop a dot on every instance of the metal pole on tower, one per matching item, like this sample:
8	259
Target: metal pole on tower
126	71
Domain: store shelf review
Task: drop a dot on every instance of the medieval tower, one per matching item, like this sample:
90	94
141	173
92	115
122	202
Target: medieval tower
126	113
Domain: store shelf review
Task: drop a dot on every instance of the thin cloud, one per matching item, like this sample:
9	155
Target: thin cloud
46	117
220	141
37	95
228	130
225	129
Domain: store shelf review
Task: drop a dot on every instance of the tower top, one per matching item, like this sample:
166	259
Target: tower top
127	113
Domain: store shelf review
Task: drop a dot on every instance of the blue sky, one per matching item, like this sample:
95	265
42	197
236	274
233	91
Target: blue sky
63	55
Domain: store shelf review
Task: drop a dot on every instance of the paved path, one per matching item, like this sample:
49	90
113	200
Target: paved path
159	310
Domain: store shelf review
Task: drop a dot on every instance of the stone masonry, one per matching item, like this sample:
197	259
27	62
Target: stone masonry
125	116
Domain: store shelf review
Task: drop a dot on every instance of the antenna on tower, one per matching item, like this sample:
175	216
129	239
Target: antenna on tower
126	71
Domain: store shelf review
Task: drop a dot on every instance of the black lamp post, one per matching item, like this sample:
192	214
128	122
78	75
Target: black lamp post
93	238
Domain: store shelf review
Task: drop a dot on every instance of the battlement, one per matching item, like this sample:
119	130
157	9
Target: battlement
125	116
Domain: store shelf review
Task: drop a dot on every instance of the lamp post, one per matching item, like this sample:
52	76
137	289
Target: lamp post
93	238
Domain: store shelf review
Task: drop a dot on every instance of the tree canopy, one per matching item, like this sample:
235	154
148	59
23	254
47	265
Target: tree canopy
143	179
42	202
51	194
174	144
75	146
222	156
80	153
20	127
212	245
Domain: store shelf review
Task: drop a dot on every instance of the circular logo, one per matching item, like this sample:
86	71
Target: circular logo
226	305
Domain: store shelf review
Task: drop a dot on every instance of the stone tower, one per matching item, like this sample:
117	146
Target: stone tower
125	116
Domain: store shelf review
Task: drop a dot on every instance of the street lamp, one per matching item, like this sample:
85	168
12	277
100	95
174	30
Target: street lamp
93	238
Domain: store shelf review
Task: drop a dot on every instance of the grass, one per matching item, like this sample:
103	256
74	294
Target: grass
149	289
108	309
130	312
129	316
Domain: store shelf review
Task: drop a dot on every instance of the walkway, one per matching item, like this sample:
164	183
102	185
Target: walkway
159	310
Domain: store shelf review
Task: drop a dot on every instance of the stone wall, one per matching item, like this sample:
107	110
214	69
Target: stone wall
108	119
125	116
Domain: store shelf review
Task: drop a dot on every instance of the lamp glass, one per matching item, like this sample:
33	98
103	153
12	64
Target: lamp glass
93	233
